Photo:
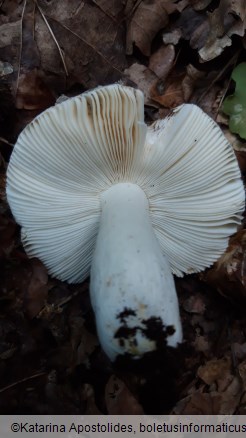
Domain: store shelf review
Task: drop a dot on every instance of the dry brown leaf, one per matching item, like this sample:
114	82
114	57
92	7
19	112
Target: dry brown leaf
202	344
88	343
89	397
119	400
189	83
228	275
209	32
231	397
148	19
172	37
236	7
206	97
227	20
241	158
7	232
33	93
161	62
239	350
234	140
199	5
199	404
193	86
185	27
169	94
214	370
93	48
195	304
143	77
37	290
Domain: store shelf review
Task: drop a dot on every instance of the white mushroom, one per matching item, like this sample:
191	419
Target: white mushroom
97	192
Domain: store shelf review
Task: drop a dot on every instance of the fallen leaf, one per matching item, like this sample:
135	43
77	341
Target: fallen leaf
63	43
7	232
161	62
148	19
37	289
199	404
214	370
169	93
89	397
227	20
119	400
195	304
93	48
228	275
199	5
144	78
202	344
185	26
231	397
33	93
239	351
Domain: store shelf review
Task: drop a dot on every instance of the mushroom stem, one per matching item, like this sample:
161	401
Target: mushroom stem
132	288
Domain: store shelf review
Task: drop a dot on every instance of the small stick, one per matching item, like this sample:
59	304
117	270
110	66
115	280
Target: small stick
53	36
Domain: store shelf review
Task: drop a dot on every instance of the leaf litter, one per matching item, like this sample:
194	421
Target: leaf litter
50	358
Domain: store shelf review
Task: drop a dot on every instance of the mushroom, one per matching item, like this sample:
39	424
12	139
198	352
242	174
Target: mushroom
97	192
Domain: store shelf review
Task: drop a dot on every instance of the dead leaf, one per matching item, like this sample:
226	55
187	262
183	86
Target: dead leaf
202	344
239	351
180	87
169	93
119	400
214	370
88	396
228	274
148	19
227	20
199	5
234	140
37	289
195	304
5	69
191	81
161	62
172	37
199	404
185	26
144	78
33	93
231	397
83	342
93	48
7	232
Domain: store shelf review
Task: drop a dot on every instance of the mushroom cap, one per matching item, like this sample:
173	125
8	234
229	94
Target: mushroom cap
68	155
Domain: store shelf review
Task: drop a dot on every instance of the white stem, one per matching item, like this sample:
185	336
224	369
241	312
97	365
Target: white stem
132	288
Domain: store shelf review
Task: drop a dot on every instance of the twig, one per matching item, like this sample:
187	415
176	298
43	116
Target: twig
106	13
231	61
22	381
132	10
227	86
58	306
53	36
21	43
3	140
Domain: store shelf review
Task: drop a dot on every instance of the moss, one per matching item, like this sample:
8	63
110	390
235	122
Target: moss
235	105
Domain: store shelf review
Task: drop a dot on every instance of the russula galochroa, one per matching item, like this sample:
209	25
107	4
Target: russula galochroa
97	192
